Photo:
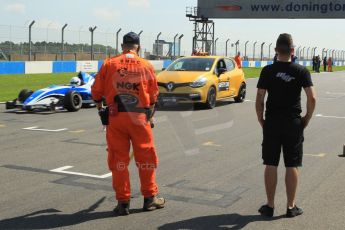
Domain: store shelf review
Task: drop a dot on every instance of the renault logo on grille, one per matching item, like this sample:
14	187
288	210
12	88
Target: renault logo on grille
170	86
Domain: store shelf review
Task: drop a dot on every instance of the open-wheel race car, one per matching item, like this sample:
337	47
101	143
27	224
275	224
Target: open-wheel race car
70	97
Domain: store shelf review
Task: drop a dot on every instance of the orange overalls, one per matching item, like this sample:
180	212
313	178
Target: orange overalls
129	86
330	65
238	61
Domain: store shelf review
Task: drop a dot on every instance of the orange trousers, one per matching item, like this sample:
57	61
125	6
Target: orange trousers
330	68
124	129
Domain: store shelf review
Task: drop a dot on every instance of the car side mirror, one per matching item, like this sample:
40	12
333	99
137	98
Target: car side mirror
221	71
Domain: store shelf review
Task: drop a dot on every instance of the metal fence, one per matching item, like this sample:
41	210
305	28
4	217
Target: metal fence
46	45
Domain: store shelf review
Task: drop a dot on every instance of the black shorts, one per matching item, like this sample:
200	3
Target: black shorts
286	134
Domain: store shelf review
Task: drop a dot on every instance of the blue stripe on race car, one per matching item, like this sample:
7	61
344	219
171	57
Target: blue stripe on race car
50	91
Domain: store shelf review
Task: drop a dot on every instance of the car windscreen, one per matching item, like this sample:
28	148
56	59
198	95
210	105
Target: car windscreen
192	64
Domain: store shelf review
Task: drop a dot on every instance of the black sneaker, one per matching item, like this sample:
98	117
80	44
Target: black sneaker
266	210
295	211
122	208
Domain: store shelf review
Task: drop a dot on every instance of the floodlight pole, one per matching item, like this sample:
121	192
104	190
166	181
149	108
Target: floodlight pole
226	47
157	42
30	45
179	45
175	45
254	50
117	42
139	34
245	49
335	54
237	46
323	52
215	46
303	52
62	41
300	53
340	55
269	51
92	30
262	51
308	52
297	52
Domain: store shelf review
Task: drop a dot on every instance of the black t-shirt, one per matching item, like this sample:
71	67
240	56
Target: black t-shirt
283	82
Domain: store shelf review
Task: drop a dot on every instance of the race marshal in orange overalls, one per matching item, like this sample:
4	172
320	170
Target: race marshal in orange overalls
129	86
238	60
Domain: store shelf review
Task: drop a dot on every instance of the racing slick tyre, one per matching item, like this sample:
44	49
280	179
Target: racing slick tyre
211	98
72	101
241	94
10	105
24	94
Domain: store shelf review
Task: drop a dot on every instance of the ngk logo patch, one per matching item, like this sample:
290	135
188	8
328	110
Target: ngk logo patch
128	86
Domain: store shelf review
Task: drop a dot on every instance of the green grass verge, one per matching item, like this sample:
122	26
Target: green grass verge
252	72
255	72
10	85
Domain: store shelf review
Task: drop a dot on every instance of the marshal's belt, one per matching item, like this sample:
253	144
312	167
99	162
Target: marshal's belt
133	109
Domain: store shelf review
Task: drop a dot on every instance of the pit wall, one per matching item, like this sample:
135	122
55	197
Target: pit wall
34	67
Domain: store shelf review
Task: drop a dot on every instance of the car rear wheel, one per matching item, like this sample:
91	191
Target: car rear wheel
241	94
211	98
24	94
72	101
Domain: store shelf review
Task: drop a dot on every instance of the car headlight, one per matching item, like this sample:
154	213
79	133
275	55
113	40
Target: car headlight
200	82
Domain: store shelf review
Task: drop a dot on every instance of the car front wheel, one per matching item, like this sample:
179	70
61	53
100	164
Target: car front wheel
24	94
73	101
211	98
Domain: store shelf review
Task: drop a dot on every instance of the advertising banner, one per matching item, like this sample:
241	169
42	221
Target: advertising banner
303	9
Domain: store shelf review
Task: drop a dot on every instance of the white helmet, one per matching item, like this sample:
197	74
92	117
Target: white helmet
75	81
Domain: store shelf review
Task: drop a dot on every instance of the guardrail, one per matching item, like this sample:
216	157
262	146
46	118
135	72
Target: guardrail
33	67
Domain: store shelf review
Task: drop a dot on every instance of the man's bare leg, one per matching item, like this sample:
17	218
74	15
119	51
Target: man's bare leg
270	183
291	182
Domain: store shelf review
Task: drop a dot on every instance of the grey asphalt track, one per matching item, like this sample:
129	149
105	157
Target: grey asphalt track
210	169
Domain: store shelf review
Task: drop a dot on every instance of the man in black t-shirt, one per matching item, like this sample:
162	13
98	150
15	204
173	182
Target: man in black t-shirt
283	125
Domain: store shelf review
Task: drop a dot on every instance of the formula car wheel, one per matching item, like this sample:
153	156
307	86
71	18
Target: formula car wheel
72	101
24	94
211	98
241	94
10	104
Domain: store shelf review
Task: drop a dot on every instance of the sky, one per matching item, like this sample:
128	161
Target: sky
153	16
